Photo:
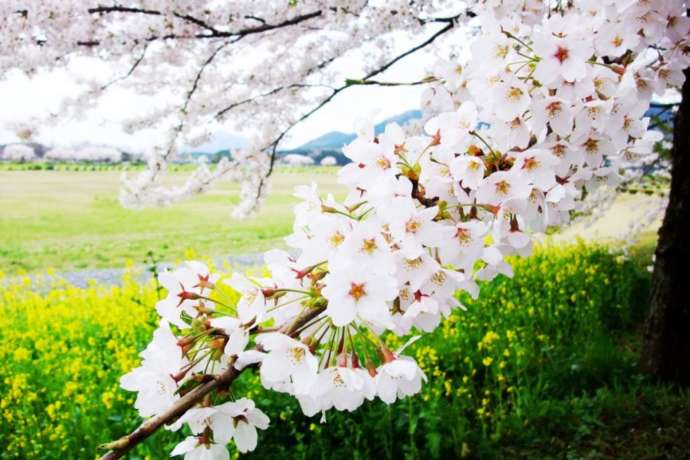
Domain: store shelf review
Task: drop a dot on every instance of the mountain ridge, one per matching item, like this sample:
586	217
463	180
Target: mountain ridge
336	140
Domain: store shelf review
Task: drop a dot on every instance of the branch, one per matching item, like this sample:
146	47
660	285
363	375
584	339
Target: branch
130	71
219	115
122	9
425	43
123	445
348	83
212	31
390	83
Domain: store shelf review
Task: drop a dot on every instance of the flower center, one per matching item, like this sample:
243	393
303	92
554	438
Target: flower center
413	263
561	54
591	145
336	239
369	246
357	290
514	94
338	380
554	109
593	112
464	235
297	354
501	51
530	164
439	278
558	150
502	187
383	163
412	226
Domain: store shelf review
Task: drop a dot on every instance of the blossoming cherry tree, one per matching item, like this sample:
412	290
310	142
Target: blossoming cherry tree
549	107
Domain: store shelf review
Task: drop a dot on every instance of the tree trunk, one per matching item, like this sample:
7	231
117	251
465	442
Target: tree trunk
666	350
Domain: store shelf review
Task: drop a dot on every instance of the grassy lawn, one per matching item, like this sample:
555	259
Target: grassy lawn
72	219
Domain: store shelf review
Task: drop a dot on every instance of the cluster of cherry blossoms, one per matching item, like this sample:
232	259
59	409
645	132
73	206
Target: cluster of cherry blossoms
576	84
192	50
550	107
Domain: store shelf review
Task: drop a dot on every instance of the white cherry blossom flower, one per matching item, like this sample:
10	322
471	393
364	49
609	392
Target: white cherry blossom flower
398	378
468	170
287	361
512	99
153	380
357	292
561	56
412	227
193	449
184	286
252	303
501	186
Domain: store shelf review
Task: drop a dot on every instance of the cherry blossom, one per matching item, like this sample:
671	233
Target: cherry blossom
186	287
194	449
154	380
287	362
398	378
356	293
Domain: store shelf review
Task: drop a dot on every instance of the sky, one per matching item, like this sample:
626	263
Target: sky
23	98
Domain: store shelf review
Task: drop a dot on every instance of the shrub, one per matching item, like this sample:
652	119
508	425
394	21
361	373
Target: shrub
499	372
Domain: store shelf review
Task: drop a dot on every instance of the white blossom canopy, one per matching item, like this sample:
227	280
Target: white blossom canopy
289	55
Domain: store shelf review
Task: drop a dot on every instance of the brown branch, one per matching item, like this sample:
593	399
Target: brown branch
196	21
122	9
412	50
213	32
123	445
391	83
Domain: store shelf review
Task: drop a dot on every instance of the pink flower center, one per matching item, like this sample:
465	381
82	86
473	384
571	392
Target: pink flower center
561	54
357	290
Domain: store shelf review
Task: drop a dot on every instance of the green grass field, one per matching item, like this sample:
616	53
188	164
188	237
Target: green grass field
72	220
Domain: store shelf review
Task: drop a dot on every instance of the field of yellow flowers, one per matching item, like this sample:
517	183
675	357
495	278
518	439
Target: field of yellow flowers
541	365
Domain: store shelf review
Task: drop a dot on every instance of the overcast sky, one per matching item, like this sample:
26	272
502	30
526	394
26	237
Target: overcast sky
23	97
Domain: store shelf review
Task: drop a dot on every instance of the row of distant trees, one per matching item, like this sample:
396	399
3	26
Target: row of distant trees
36	152
29	152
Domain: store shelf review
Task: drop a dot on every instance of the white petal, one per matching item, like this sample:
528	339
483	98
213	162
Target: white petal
258	419
223	428
247	358
245	437
185	446
342	313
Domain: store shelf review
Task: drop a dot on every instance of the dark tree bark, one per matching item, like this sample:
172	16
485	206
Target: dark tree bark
666	351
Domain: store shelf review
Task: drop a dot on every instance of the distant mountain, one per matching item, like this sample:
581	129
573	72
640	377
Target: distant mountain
335	140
